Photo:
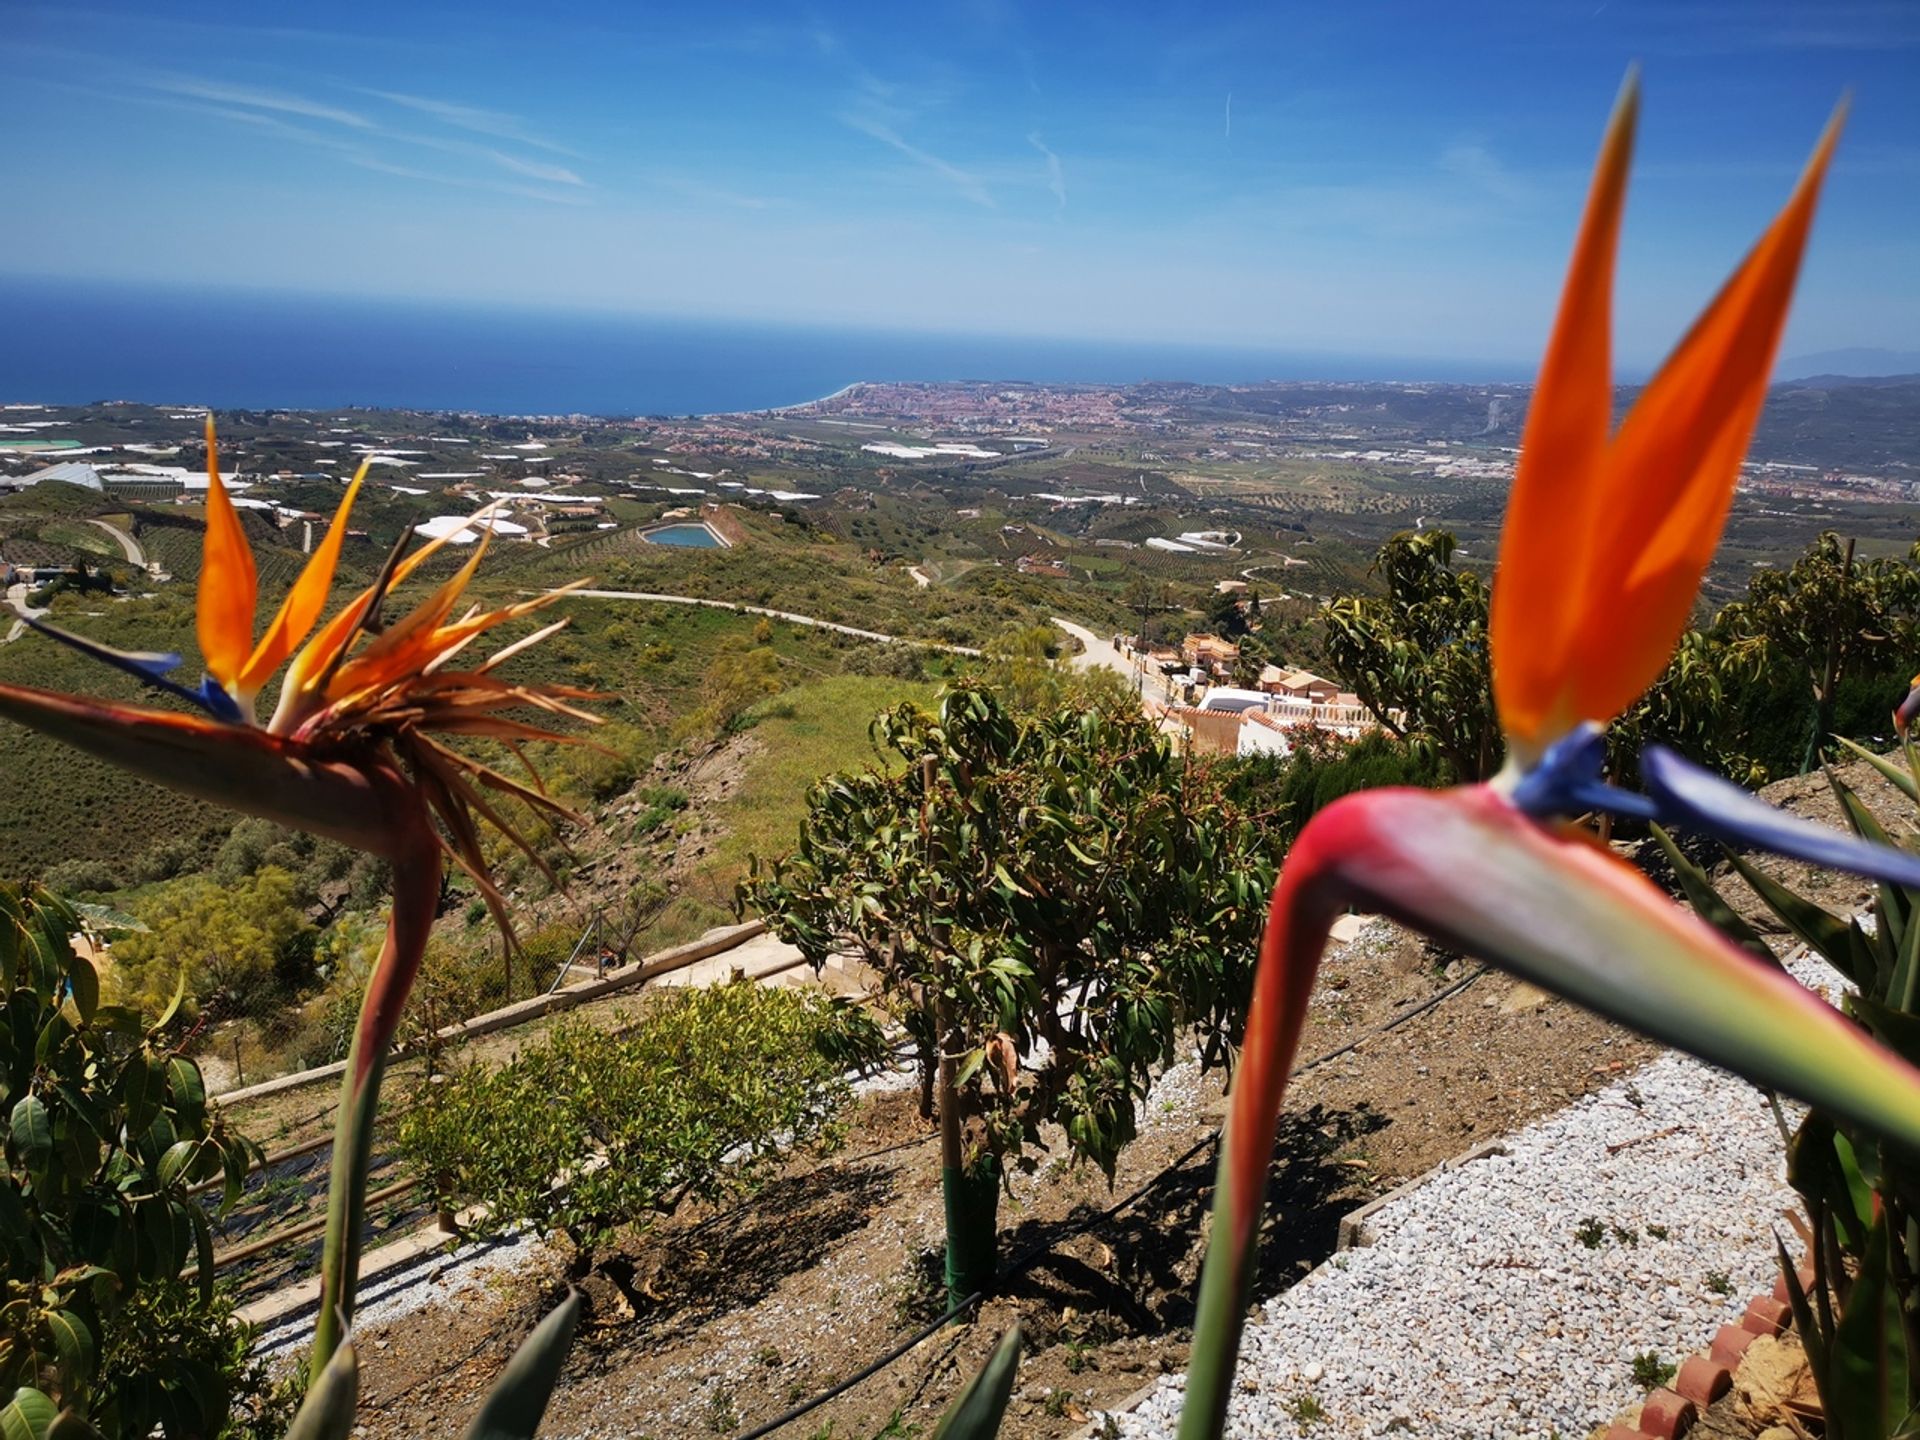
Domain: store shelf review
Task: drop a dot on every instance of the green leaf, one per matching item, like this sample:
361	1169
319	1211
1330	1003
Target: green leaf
519	1396
173	1005
976	1411
179	1155
203	1250
32	1134
1708	902
28	1416
1869	1354
327	1412
74	1343
1899	775
185	1087
970	1064
85	981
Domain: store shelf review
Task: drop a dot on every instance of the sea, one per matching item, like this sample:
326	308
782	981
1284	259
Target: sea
75	343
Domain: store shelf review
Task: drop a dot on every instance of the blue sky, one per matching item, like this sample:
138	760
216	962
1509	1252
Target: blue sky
1386	178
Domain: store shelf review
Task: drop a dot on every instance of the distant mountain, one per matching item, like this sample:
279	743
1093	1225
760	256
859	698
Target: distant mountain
1858	361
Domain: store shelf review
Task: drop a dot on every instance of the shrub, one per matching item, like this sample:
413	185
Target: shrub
108	1127
1065	883
694	1100
235	942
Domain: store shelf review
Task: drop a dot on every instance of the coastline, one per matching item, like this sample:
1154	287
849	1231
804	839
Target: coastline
798	405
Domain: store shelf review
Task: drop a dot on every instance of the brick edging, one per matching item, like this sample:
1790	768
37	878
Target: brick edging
1670	1411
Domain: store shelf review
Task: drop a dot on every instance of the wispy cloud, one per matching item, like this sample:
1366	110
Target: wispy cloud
965	181
1478	166
517	164
1056	176
463	182
265	110
278	101
711	194
496	123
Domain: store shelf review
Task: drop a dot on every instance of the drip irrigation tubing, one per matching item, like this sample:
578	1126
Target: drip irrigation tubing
1021	1262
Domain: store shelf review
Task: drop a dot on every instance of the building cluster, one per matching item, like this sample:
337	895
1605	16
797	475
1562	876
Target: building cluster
1197	696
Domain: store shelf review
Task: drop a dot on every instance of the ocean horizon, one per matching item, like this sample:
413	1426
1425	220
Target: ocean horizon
75	343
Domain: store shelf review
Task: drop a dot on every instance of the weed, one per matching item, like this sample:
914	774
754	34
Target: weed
1055	1405
1625	1235
1650	1371
1306	1410
1590	1232
768	1356
1719	1282
1634	1097
1658	1232
721	1417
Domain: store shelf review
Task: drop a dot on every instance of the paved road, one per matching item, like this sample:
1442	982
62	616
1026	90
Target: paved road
17	601
129	546
1098	653
788	616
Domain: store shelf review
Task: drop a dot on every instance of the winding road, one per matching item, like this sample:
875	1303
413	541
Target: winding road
787	615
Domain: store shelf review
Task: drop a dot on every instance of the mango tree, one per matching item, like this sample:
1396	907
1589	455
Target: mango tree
107	1302
1050	905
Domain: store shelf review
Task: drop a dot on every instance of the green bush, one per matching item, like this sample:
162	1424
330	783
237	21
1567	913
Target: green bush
1286	791
694	1100
108	1128
237	943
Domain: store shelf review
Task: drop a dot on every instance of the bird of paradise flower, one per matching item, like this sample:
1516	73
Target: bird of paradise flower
1608	534
354	750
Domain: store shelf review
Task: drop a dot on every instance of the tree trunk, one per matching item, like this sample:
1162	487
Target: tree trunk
971	1193
972	1197
1829	675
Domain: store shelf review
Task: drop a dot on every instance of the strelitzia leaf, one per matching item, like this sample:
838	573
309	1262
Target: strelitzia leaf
1898	775
976	1411
327	1412
1708	903
1869	1355
519	1397
1838	942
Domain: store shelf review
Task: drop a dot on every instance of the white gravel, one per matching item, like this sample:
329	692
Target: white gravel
1479	1310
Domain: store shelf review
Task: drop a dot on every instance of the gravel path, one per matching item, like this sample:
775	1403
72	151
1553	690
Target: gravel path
1511	1297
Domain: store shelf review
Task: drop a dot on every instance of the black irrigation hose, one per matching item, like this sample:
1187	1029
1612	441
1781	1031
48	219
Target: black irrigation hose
1026	1257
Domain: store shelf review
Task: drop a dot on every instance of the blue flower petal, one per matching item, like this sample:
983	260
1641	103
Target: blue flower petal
1688	795
217	702
149	667
1567	781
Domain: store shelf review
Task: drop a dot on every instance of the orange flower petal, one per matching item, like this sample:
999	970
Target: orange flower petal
228	584
1606	543
306	600
1672	468
1556	486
